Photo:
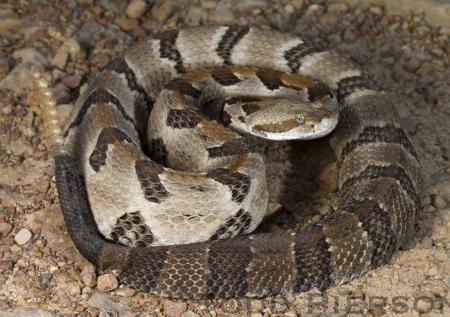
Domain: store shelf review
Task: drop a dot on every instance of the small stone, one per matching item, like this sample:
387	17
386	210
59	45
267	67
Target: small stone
61	57
88	276
163	11
298	4
189	314
23	236
128	24
16	250
8	109
107	282
438	202
136	8
256	315
174	309
61	93
423	306
5	229
338	8
376	10
125	292
256	305
74	49
72	81
327	179
6	265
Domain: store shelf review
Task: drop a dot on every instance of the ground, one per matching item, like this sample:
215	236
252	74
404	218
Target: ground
42	274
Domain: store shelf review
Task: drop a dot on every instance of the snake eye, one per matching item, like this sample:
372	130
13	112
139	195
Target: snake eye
300	119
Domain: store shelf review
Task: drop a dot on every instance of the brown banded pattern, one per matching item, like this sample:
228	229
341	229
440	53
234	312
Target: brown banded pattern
143	103
107	136
168	49
98	96
238	183
229	40
147	173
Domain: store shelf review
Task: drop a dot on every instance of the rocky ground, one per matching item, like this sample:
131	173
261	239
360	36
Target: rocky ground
42	274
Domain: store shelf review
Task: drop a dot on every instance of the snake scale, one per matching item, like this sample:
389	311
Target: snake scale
379	173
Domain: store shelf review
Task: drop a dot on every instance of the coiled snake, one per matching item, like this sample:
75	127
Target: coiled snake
124	211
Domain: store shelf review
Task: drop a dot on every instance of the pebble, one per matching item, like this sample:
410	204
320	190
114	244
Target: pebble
163	11
61	93
23	236
438	202
61	57
5	229
338	8
136	8
174	309
125	292
256	305
128	24
72	81
88	276
107	282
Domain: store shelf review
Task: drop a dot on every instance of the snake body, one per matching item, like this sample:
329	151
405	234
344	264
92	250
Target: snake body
139	204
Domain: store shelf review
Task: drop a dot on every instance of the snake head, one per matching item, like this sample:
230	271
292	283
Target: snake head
285	119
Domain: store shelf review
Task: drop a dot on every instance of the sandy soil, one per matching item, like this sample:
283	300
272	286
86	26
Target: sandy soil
41	272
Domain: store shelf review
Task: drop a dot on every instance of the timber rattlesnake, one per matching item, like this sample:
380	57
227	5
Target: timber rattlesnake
379	173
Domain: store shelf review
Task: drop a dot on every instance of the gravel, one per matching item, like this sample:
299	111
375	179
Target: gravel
41	272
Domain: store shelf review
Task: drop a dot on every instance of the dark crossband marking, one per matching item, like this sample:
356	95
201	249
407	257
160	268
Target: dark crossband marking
143	268
130	229
229	40
227	270
233	147
183	87
183	118
389	134
348	85
143	103
234	226
213	109
158	151
238	183
294	55
147	174
394	171
313	259
377	223
270	78
99	96
107	136
225	77
168	49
